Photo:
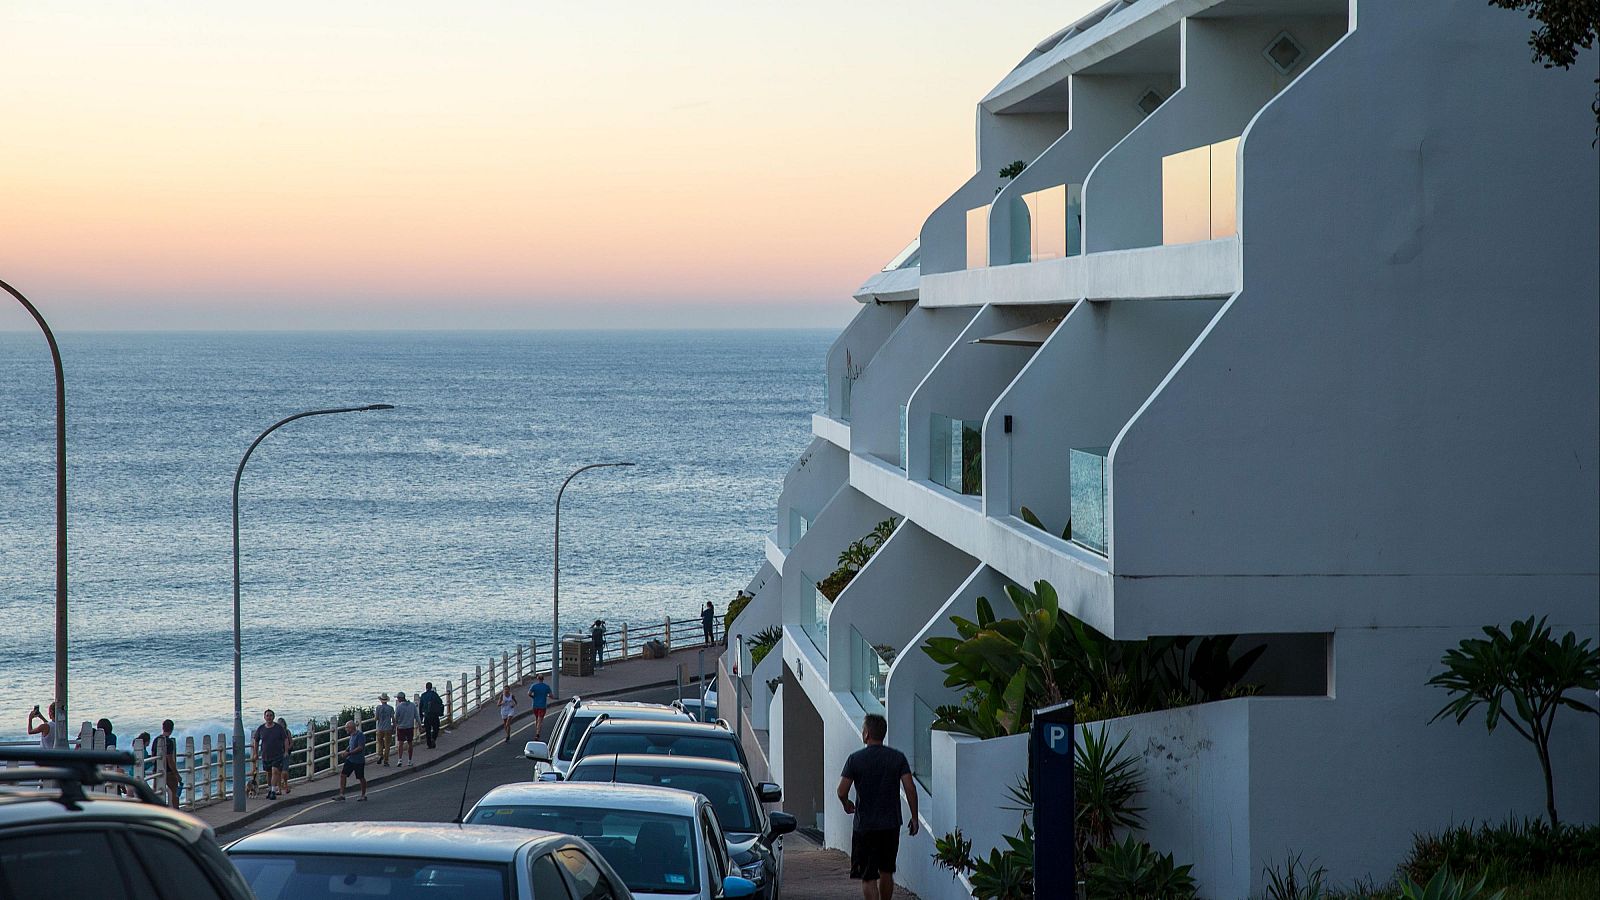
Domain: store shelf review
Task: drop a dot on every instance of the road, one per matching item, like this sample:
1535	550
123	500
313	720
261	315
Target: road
434	795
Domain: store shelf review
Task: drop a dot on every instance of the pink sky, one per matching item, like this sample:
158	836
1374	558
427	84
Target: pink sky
472	164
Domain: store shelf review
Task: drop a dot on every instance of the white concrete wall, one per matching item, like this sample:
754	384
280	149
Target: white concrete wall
1225	81
812	481
854	348
1409	377
1199	269
764	607
967	378
909	353
849	516
893	596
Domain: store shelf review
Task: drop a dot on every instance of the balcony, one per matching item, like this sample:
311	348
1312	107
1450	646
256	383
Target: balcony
869	673
955	454
814	620
1089	498
798	525
1047	224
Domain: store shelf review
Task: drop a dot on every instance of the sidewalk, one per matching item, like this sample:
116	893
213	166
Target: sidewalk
619	677
811	872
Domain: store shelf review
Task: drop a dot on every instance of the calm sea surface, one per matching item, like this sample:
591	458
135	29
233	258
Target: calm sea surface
379	549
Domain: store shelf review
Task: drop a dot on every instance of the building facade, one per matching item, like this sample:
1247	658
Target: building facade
1293	314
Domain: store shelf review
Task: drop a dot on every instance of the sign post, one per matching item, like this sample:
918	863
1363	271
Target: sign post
1050	758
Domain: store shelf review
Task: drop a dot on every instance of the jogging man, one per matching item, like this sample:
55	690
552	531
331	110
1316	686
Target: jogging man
271	741
875	771
539	693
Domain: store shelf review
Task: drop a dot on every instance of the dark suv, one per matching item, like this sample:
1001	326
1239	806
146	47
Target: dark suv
58	840
629	737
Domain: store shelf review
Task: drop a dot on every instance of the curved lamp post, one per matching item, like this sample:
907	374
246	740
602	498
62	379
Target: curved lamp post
555	615
238	682
58	727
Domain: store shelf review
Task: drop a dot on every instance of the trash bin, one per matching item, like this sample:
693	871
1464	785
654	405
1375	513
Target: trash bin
576	656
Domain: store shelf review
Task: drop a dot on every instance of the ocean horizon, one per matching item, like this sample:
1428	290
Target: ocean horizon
380	549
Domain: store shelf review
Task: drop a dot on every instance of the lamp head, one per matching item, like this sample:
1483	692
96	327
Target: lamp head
376	406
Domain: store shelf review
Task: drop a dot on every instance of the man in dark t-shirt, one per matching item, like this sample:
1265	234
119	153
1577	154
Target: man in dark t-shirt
875	771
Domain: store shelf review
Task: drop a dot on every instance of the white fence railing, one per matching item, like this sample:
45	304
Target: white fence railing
205	766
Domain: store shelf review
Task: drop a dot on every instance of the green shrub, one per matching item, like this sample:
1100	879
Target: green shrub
1505	854
853	557
734	608
1295	880
1105	785
1445	886
1133	870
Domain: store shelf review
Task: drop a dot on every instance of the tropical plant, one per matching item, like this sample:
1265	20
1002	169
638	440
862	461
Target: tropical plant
1033	519
1005	874
953	852
1008	666
1295	881
762	642
854	557
1105	784
1537	673
1131	869
972	466
1445	886
1513	852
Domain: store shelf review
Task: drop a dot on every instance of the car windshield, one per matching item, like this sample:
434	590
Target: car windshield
574	733
316	876
726	790
608	742
653	852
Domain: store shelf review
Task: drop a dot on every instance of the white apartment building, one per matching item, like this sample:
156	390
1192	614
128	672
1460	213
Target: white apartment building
1294	312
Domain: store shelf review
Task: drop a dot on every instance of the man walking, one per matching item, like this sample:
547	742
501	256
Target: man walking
165	749
355	759
707	616
405	729
876	771
431	708
271	741
384	715
539	693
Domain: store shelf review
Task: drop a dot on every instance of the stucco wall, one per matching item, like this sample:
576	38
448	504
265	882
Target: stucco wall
854	348
909	353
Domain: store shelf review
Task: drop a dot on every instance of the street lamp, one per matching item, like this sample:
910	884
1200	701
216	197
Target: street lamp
555	615
58	728
238	682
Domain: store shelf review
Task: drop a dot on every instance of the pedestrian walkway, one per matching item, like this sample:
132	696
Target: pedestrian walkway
813	872
618	677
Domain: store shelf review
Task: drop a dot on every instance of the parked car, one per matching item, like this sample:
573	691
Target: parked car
752	833
701	709
58	839
664	843
423	861
551	759
607	737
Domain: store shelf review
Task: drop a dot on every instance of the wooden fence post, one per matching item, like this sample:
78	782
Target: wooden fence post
466	708
189	782
669	634
202	784
624	641
477	690
520	672
493	692
449	703
505	669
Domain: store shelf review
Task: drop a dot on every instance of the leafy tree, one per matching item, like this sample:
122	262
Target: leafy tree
1565	26
1532	670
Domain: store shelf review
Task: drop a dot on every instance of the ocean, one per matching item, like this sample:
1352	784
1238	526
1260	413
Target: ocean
378	549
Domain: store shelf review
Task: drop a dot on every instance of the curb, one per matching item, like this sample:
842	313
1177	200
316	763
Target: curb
254	816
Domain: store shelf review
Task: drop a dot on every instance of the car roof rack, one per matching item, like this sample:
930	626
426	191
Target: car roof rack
72	770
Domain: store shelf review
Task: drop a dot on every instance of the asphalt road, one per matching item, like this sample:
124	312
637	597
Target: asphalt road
434	795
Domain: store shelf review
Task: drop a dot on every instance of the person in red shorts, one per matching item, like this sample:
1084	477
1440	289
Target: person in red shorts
405	729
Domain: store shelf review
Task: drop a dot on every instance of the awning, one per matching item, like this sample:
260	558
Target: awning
1027	336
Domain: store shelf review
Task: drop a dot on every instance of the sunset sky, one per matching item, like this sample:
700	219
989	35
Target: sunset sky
475	164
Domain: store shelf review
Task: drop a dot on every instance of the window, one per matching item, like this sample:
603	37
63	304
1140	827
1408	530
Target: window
59	864
605	743
173	868
728	792
716	847
653	853
576	726
590	882
547	881
317	876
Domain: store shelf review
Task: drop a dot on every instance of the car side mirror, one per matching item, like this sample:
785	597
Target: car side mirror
550	776
733	886
538	751
769	792
780	824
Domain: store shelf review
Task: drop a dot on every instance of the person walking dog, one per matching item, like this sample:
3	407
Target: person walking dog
875	771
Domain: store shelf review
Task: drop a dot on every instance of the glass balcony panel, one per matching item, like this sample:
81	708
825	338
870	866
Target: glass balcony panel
1224	188
1048	209
910	256
845	385
1088	484
797	526
1074	219
1186	196
955	454
814	622
903	440
869	673
978	237
1021	213
922	717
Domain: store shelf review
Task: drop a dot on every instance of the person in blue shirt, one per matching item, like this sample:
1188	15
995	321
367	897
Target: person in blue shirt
355	759
539	692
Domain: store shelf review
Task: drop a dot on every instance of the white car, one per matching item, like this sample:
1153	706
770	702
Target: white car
422	860
551	760
665	843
